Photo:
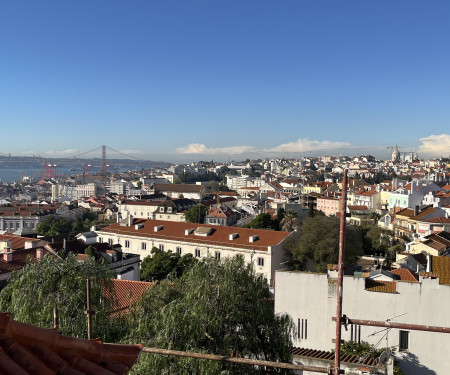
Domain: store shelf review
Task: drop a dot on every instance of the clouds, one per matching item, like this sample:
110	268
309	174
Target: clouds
435	145
300	146
201	149
67	152
307	145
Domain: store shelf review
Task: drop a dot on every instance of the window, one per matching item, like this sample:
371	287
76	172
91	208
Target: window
127	243
110	241
217	255
261	262
404	341
178	250
161	209
302	329
161	247
143	246
197	253
355	333
100	239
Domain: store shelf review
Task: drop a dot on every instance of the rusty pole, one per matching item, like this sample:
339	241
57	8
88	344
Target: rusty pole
412	327
238	360
89	312
343	206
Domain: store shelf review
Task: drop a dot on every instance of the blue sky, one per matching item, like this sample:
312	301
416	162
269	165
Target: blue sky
183	80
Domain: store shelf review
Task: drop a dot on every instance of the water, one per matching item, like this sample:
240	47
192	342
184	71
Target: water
10	175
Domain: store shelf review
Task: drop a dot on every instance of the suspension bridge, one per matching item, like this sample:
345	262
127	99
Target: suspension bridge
101	160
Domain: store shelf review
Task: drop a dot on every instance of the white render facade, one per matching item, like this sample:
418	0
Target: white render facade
257	246
310	299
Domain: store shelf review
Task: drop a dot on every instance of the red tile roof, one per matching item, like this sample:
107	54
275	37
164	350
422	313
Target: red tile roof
26	349
127	292
219	235
405	274
19	260
17	241
441	267
329	356
381	286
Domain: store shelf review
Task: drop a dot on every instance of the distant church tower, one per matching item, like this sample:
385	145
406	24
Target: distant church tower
395	156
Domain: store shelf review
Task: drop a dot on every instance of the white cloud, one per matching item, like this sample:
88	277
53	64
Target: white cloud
30	152
435	145
69	151
306	144
200	148
130	152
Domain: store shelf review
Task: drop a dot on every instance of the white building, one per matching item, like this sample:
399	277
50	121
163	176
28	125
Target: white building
264	248
86	190
310	299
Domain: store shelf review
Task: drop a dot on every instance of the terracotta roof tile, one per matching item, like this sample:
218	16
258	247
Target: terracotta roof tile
381	286
405	274
17	241
127	292
219	235
441	267
26	349
329	356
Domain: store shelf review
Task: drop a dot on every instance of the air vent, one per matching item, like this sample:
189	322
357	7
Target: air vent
253	238
232	236
157	228
187	232
138	226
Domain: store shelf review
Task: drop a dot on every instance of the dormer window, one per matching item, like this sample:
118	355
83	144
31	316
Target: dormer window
161	209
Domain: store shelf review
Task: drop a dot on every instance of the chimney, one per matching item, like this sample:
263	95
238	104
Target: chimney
416	210
130	221
412	187
39	253
8	255
429	263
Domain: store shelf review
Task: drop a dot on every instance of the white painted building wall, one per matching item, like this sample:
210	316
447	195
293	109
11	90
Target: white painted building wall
312	297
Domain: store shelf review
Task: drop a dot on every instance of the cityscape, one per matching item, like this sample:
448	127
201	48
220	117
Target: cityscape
225	188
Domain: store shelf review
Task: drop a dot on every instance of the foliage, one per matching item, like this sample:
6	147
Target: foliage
218	307
361	349
263	221
52	282
318	240
162	263
52	226
379	240
196	214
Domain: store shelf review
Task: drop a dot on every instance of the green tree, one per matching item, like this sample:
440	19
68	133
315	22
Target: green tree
262	221
52	226
77	226
217	307
196	214
162	263
53	282
318	240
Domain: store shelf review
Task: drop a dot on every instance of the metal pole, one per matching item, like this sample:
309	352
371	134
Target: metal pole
343	205
89	312
412	327
244	361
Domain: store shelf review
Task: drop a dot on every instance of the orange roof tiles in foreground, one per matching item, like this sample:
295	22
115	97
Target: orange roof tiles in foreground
126	293
26	349
405	274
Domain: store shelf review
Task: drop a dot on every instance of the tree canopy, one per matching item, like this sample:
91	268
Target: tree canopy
219	307
162	263
263	221
196	214
318	240
32	295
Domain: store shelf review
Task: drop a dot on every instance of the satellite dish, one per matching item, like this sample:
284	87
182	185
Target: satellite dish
384	357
